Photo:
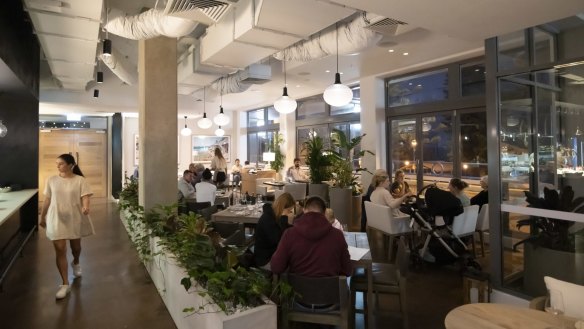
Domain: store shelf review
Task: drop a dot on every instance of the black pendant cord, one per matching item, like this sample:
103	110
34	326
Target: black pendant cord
204	101
285	84
337	30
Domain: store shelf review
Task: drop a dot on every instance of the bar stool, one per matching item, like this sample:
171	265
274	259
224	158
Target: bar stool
481	281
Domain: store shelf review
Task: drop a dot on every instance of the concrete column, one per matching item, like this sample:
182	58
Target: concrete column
373	124
158	121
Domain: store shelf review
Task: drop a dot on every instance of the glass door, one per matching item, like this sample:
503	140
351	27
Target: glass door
403	148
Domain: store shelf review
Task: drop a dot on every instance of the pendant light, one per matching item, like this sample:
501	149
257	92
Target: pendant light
186	131
338	94
107	43
95	93
204	122
3	129
285	104
221	119
219	132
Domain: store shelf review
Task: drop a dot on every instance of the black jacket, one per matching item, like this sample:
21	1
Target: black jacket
267	235
480	199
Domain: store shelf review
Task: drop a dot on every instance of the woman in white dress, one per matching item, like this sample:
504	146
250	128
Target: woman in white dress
65	216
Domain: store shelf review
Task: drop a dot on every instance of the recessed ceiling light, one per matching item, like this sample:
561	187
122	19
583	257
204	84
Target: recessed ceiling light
391	50
410	83
297	86
405	54
419	85
341	73
476	70
328	71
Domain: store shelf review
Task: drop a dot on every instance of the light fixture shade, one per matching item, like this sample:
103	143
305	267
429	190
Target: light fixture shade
219	132
221	119
269	156
338	94
186	131
99	77
95	93
204	122
285	104
3	129
107	47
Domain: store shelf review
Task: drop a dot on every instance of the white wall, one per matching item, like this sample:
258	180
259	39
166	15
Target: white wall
373	125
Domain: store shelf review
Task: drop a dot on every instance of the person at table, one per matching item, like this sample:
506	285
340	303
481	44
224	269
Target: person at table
457	187
399	187
197	170
236	172
295	173
483	196
205	190
185	188
367	197
275	218
312	247
330	216
382	196
219	166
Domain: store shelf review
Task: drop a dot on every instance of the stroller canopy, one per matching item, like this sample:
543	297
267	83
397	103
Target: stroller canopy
442	203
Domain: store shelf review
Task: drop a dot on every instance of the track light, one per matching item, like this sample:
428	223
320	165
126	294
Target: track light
99	77
95	93
107	47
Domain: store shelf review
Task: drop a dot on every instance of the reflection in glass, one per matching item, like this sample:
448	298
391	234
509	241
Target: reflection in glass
544	47
473	140
437	144
311	107
421	88
255	118
512	51
472	79
353	107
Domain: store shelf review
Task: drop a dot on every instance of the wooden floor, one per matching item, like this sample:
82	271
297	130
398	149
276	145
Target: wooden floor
115	290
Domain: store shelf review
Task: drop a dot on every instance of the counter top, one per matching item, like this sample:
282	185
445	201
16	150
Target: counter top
10	202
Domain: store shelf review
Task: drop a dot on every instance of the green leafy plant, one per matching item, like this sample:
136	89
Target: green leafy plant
547	232
278	163
318	159
344	154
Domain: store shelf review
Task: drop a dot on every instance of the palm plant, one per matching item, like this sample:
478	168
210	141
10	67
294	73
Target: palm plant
278	163
318	159
343	155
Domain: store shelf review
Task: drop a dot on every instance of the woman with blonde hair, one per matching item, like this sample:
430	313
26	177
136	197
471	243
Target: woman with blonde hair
382	196
276	218
219	166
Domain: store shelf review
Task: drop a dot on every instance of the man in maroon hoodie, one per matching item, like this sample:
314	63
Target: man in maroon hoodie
312	247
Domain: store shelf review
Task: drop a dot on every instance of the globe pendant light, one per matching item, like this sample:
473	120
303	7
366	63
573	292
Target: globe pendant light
205	122
186	131
221	119
338	94
219	132
285	104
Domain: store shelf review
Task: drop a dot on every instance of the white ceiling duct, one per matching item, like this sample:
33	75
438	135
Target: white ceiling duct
352	36
231	84
120	66
149	24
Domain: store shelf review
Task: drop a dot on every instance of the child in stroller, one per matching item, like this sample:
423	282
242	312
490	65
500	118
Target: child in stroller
440	246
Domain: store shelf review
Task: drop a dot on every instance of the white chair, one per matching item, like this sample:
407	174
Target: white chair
297	190
381	218
465	224
483	225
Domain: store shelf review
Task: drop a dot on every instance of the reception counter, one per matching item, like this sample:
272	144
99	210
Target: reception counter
18	218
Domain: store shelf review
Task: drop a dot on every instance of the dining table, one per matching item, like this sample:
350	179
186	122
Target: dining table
277	184
504	316
246	214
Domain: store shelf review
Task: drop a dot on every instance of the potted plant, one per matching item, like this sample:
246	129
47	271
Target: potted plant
319	160
552	247
346	194
280	158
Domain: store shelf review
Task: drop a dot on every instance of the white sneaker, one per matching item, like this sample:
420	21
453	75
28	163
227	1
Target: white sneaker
76	269
63	291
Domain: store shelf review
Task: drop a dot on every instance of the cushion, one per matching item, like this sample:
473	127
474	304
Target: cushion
572	295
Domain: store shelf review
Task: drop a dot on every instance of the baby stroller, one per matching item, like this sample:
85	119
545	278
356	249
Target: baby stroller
440	245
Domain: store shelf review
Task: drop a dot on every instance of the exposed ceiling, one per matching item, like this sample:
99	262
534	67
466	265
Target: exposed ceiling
438	32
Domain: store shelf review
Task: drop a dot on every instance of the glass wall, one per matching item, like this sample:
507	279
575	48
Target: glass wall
540	114
420	88
262	124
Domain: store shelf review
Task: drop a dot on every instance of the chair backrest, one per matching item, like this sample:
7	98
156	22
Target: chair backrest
232	232
196	206
381	218
318	291
403	257
297	190
466	223
208	212
483	219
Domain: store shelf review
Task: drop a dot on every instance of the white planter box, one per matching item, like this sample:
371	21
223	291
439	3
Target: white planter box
166	276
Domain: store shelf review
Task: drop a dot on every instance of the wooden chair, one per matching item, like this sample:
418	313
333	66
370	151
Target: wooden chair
483	225
464	225
317	291
382	278
381	218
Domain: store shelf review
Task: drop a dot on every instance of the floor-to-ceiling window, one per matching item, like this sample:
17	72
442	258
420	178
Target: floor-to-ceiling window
262	124
437	125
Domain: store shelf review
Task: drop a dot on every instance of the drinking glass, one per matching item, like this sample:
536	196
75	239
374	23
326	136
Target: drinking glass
243	199
554	304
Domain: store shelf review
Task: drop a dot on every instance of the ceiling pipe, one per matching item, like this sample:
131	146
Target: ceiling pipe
353	37
149	24
121	67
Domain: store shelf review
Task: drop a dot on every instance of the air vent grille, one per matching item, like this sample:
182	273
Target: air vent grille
213	9
387	22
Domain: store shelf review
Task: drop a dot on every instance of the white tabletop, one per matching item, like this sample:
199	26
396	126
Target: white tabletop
10	202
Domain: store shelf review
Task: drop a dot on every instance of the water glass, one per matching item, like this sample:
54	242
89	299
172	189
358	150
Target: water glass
554	304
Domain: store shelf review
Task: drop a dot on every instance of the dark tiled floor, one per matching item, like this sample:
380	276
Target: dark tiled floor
115	291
